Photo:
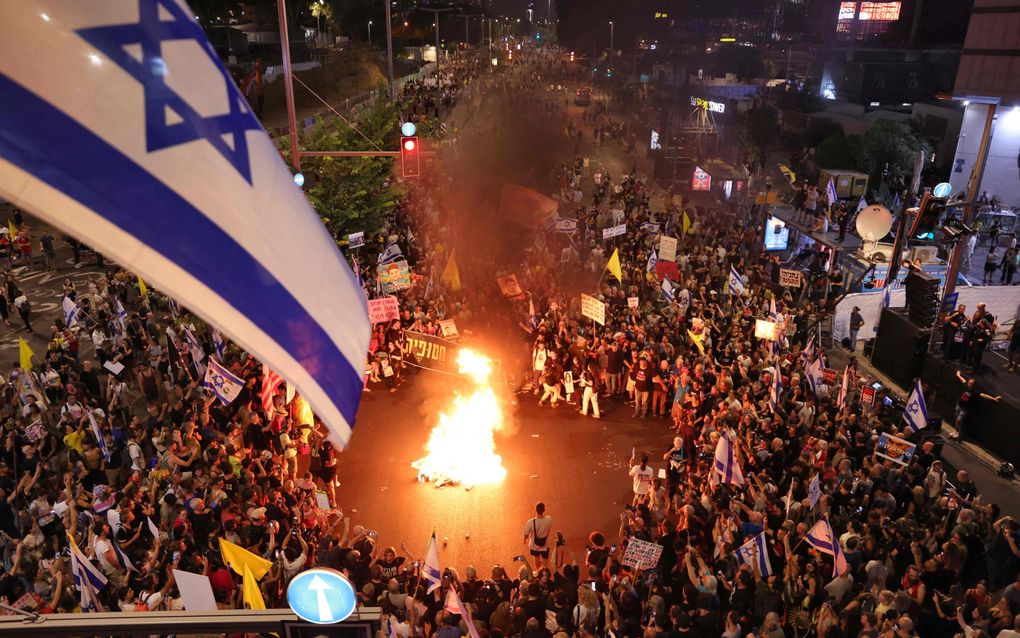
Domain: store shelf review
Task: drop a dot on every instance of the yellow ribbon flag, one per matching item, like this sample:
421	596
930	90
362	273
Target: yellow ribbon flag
451	274
250	592
697	341
143	290
13	229
614	265
687	223
26	354
239	559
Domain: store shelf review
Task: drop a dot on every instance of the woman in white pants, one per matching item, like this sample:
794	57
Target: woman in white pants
589	381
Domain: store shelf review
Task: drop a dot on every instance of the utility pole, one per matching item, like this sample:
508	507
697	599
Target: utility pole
901	229
610	61
435	14
288	85
389	48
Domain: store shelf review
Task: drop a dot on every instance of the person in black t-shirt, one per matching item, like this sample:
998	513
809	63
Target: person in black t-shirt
967	402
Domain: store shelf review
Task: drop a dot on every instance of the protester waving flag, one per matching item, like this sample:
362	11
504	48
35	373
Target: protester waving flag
821	538
454	605
613	265
667	289
100	439
814	491
271	382
687	225
844	388
726	469
773	314
815	375
830	192
391	253
170	174
451	273
755	553
222	382
219	342
861	205
121	314
776	390
430	566
735	285
653	258
916	412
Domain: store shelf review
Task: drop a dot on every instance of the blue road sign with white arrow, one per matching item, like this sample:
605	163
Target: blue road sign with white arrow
321	596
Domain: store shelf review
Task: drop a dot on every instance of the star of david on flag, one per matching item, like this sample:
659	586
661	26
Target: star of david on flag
755	553
916	412
123	129
222	382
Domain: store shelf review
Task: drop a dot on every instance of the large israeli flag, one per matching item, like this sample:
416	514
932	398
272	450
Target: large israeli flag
120	125
755	553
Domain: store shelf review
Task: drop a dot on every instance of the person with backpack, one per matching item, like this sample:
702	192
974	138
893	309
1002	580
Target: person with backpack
536	535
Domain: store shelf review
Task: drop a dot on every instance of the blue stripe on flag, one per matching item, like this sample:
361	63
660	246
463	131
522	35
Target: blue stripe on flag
87	169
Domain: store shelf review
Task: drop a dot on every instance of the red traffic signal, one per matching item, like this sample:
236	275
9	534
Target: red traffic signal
410	159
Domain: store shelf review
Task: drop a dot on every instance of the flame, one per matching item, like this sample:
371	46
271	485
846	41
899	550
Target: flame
461	448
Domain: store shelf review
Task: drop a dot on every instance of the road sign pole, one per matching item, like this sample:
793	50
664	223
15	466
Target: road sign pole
288	85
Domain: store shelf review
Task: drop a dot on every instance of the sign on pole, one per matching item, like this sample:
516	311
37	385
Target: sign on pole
383	309
356	240
593	309
632	302
641	554
448	328
394	276
789	277
322	596
667	248
614	231
895	449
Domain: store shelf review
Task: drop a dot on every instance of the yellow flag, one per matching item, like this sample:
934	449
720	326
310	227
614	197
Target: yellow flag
143	290
13	229
239	559
250	592
451	274
26	354
614	265
687	223
697	341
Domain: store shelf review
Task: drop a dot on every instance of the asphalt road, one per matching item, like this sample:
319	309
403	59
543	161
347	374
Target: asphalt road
576	466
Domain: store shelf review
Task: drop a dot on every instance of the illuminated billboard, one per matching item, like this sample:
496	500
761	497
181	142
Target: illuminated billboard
872	18
879	11
701	180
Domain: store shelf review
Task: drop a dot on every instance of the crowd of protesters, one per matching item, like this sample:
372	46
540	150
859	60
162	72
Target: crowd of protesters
167	469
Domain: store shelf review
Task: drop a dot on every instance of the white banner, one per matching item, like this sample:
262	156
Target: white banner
383	309
632	302
789	277
641	554
593	309
614	231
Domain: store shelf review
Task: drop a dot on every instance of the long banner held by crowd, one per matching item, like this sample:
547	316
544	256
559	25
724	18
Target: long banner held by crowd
169	172
430	351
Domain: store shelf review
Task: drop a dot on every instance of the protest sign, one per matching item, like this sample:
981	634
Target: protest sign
667	248
448	327
35	431
383	309
650	227
789	277
641	554
667	270
614	231
196	591
509	286
868	395
829	376
632	302
895	449
394	276
593	309
356	240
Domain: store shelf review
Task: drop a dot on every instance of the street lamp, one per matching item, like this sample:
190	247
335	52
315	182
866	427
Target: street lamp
369	35
318	16
611	33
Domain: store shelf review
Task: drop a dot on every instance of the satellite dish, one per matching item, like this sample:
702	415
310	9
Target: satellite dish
875	221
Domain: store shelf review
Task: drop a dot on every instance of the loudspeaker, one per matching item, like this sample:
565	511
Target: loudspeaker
900	347
922	298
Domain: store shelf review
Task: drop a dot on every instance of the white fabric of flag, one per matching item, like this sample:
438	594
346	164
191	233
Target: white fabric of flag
916	412
776	391
390	253
861	204
844	388
454	605
830	192
814	491
725	467
653	258
755	552
814	375
122	558
222	382
87	578
219	342
430	566
667	289
168	172
100	440
821	538
773	313
735	284
121	314
71	311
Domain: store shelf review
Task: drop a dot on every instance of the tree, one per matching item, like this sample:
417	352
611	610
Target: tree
840	151
351	194
759	128
888	149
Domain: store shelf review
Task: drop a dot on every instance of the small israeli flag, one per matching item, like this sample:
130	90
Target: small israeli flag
99	437
735	284
653	259
755	552
564	225
70	312
814	491
222	382
430	566
916	412
830	192
667	289
392	252
121	314
219	343
776	391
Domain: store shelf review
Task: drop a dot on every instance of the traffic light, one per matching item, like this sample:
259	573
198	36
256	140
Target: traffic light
927	220
410	160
